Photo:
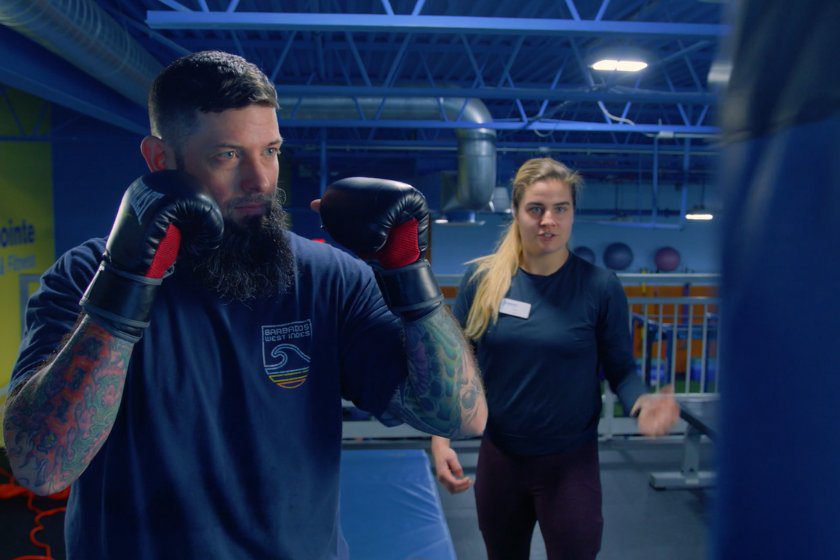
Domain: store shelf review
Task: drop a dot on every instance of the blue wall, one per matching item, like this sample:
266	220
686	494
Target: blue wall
93	163
697	243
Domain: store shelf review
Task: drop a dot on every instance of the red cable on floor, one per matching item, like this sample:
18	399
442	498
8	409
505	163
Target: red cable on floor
12	489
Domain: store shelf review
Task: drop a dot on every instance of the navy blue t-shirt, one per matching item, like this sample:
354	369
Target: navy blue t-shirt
540	373
228	437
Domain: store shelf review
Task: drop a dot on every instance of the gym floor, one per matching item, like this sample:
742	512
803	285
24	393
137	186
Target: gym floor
639	522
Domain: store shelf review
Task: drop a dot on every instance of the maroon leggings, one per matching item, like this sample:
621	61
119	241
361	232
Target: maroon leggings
562	491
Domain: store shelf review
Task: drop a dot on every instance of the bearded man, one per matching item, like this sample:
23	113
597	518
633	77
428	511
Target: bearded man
186	375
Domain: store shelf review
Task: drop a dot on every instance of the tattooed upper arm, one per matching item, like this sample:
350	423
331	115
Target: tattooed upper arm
442	394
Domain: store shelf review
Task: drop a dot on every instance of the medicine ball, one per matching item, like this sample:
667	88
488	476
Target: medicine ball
618	256
667	259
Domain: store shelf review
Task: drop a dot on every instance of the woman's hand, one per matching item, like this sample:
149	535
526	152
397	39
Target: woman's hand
657	413
447	467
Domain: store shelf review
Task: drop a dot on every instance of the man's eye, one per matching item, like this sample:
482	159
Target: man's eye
273	151
535	210
228	155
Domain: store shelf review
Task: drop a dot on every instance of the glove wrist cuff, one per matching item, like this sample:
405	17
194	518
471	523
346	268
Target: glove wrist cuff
120	302
410	291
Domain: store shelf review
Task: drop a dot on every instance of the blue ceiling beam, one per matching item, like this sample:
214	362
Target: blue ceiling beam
574	126
286	48
398	60
471	58
604	5
618	95
679	105
702	115
27	66
175	5
506	70
573	10
359	62
159	19
414	145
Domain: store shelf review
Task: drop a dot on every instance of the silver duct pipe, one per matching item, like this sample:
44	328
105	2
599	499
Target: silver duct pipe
87	37
476	167
476	146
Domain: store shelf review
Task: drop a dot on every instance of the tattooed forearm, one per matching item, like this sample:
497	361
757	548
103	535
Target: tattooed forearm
59	419
442	394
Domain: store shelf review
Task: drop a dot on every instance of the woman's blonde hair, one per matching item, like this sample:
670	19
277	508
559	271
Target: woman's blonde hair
494	272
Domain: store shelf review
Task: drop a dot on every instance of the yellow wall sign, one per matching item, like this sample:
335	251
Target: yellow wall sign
27	233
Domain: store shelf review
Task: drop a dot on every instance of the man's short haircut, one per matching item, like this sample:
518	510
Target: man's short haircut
207	81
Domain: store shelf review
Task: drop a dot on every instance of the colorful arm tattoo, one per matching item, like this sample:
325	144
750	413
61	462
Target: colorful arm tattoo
58	420
442	394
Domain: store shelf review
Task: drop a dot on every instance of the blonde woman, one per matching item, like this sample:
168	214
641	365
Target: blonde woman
542	321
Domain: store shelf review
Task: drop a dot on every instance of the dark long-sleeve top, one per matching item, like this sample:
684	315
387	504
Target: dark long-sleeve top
541	371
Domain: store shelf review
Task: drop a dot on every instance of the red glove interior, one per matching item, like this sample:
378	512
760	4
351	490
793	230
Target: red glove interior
166	253
401	249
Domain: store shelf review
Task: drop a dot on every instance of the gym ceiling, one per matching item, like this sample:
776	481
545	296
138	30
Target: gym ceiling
365	82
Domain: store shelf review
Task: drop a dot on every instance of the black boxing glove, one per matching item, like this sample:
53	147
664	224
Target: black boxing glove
157	212
387	224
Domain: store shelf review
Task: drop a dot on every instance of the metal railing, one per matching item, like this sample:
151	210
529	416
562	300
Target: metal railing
675	342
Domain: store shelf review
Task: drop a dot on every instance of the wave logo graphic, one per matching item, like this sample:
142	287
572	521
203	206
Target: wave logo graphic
285	363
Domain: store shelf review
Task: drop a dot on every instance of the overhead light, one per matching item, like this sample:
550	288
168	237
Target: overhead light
458	218
614	65
631	65
719	73
699	213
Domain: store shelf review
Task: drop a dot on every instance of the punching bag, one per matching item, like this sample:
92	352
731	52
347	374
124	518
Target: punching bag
779	462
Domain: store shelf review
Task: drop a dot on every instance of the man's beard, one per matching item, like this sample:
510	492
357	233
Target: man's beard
253	261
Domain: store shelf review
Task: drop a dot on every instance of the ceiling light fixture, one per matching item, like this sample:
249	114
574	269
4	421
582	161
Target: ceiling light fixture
699	213
614	65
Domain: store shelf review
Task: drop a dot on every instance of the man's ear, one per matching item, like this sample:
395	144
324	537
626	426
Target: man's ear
157	154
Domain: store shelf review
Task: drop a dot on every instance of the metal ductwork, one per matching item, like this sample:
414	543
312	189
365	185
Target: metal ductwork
476	167
85	35
476	146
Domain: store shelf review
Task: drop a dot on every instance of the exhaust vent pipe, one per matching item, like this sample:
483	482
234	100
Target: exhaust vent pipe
476	146
86	36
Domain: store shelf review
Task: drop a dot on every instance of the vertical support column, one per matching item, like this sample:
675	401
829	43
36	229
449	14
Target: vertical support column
324	171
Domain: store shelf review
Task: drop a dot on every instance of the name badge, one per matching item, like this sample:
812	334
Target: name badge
516	308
